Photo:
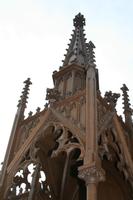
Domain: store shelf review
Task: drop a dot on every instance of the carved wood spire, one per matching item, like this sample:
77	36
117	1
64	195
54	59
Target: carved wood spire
77	51
127	108
23	98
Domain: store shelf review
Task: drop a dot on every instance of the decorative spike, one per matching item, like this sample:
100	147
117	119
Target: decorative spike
38	109
55	71
60	67
30	114
46	105
127	109
91	45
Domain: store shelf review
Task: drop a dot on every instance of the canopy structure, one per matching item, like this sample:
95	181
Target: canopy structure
77	147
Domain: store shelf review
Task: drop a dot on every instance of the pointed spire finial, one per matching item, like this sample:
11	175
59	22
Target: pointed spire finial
79	20
127	109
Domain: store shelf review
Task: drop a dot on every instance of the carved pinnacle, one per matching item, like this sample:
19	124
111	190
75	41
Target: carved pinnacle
23	98
127	109
91	53
77	51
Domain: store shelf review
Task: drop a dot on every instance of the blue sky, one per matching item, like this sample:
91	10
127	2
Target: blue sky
34	36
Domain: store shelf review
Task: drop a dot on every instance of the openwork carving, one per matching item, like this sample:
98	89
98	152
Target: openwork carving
25	179
110	147
65	141
30	179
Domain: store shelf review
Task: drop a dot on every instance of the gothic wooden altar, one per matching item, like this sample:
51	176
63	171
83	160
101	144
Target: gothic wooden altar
77	147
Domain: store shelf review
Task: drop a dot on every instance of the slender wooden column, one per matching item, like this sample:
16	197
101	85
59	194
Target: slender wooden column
92	191
91	172
91	116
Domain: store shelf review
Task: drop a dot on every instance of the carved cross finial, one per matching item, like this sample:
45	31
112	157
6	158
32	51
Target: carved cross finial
79	20
127	109
91	53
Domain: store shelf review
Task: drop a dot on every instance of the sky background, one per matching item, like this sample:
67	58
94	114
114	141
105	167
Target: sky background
34	35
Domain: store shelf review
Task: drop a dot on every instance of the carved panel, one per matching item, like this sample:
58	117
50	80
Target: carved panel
78	82
69	85
24	133
61	86
82	112
73	112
